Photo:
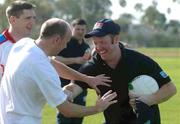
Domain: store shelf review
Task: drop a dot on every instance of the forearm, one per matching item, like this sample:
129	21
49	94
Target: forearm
75	110
164	93
68	73
66	61
74	89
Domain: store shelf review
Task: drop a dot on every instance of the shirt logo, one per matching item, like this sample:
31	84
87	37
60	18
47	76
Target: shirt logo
163	74
98	25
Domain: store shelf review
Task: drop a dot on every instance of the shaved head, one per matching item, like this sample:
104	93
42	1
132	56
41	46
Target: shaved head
54	26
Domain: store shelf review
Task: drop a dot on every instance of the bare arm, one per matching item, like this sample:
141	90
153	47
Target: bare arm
162	95
74	88
68	73
73	110
71	60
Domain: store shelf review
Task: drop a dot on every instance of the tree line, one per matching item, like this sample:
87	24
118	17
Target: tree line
153	29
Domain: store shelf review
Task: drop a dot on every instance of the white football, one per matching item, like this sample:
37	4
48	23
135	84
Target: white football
144	84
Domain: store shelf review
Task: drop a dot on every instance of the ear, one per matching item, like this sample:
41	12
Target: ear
12	19
116	39
57	38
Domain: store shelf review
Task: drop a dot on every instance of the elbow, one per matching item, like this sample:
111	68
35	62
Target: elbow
67	114
173	89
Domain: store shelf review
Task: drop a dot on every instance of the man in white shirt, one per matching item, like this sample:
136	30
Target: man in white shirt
21	17
30	80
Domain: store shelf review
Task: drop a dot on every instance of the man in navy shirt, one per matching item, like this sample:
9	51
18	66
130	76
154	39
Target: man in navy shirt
123	65
74	55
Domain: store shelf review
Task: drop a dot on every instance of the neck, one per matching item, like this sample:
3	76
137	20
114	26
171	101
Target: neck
79	40
42	46
115	58
15	34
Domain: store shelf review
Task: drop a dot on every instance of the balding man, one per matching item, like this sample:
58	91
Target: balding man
30	80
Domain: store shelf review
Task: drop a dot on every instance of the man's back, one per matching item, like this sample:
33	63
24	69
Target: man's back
22	89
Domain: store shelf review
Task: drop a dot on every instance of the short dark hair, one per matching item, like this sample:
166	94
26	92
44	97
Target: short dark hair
78	22
16	8
57	27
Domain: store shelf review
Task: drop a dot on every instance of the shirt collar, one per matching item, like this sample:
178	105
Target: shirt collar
8	36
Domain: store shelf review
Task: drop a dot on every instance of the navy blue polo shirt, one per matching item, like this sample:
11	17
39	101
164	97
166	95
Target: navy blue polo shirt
131	65
73	49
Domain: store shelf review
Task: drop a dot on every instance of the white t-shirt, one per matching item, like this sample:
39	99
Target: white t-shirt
29	82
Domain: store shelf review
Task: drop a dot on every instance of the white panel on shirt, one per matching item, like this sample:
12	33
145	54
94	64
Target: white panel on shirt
4	52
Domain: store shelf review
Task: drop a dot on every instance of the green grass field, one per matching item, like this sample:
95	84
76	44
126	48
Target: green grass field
169	59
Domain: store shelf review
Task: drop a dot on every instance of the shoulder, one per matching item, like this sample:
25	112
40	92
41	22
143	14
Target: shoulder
24	42
2	38
135	55
85	43
90	67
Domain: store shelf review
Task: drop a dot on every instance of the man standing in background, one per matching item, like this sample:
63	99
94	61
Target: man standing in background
21	17
76	54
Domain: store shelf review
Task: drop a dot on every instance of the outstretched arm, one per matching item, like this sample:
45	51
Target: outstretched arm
69	109
68	73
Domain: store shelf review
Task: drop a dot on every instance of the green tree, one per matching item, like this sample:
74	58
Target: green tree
44	10
153	18
3	20
122	3
89	10
173	26
125	21
177	1
138	7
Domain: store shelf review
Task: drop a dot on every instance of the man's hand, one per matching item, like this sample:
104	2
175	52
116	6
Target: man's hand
132	100
98	80
147	99
69	94
105	101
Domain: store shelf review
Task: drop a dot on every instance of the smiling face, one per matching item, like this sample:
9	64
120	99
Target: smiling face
24	23
106	47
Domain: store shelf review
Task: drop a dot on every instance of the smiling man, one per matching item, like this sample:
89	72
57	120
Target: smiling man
122	65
